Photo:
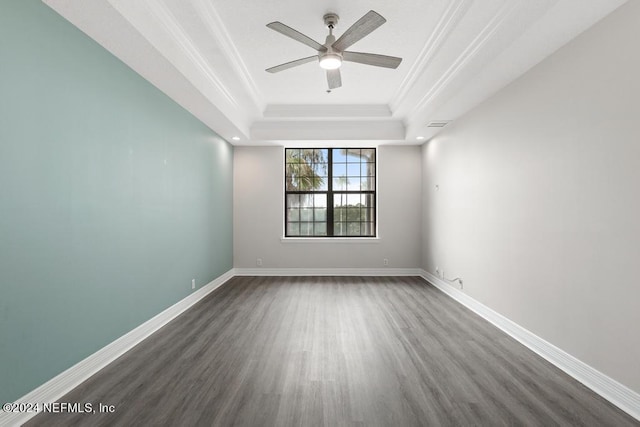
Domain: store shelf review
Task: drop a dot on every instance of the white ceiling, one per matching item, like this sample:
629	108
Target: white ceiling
210	56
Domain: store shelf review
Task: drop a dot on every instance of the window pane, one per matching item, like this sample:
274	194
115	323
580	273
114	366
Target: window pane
293	154
368	183
339	155
353	184
320	169
364	184
367	200
320	183
320	228
353	229
353	213
291	171
353	155
293	200
293	229
313	195
339	169
293	215
306	229
368	154
303	167
367	215
320	200
340	184
366	229
306	200
353	169
339	212
320	155
306	154
306	214
353	199
367	169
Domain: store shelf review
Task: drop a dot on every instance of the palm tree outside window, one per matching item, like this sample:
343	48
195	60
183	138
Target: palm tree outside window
330	192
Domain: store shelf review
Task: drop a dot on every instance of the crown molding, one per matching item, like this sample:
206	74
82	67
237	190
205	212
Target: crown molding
463	59
445	26
283	111
124	29
186	49
328	130
219	31
167	21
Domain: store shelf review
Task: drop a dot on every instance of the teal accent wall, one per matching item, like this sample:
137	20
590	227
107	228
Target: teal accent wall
112	198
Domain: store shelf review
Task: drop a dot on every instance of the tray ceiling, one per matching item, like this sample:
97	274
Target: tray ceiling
210	56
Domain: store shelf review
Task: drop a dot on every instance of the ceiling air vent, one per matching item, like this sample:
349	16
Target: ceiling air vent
438	123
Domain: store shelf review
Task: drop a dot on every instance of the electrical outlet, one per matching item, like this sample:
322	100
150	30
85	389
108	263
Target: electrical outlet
193	283
385	262
259	262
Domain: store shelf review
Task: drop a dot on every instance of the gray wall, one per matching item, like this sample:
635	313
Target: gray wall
259	217
539	208
112	198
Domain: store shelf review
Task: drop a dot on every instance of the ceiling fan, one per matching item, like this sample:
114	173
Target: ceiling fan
331	54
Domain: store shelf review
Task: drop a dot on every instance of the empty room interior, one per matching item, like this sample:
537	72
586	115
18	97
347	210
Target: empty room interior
320	213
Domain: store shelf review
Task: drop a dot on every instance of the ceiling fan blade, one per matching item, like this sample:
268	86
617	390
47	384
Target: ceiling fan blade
292	64
296	35
334	79
363	26
372	59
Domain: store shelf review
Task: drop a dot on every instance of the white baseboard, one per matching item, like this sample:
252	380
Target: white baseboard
66	381
616	393
328	272
611	390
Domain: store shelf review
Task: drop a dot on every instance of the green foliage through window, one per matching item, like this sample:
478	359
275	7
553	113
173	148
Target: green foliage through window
330	192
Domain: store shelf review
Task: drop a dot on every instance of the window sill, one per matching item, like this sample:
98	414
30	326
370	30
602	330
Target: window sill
357	240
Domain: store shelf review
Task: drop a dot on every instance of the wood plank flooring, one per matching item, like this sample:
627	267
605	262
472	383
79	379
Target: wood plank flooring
333	351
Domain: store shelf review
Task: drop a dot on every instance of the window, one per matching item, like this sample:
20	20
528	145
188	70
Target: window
330	192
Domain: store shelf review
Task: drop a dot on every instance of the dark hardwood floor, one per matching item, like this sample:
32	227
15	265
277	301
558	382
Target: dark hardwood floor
333	351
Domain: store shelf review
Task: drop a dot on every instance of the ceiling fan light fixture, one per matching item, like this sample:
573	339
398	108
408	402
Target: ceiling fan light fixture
331	54
330	61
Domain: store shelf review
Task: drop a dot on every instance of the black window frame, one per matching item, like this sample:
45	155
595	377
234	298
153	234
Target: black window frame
330	193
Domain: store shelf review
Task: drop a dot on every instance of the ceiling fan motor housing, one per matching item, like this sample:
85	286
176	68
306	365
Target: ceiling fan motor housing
330	59
330	20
